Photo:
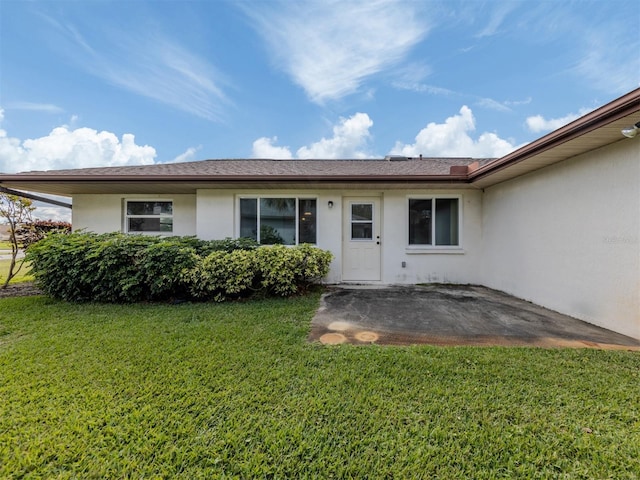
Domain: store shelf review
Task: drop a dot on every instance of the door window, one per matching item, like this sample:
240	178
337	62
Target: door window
361	221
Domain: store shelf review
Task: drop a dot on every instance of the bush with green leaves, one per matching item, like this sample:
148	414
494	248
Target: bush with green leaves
286	271
111	267
265	271
121	268
205	247
62	265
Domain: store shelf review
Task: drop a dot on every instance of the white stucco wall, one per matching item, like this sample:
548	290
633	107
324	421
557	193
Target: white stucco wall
215	214
104	213
436	265
456	265
568	237
217	217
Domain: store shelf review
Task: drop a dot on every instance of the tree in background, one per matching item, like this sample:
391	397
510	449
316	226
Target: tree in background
16	211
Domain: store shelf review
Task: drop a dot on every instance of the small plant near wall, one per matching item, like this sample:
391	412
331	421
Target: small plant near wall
270	236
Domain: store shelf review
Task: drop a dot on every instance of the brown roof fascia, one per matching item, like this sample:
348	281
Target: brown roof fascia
619	108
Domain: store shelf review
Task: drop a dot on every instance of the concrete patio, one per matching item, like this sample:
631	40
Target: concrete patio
450	315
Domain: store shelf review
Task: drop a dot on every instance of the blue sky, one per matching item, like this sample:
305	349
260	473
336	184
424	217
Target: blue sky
98	83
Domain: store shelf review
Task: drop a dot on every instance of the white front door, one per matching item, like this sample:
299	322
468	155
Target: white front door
361	239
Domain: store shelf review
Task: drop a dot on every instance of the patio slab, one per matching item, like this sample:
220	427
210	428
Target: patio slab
450	315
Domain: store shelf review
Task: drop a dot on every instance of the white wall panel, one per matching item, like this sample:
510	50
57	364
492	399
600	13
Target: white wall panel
567	237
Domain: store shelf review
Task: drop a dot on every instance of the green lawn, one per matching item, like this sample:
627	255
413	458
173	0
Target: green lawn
22	276
234	391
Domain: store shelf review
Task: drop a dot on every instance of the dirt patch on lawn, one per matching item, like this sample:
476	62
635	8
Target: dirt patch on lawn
24	289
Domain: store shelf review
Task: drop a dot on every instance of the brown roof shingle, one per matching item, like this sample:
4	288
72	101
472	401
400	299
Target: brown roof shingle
274	168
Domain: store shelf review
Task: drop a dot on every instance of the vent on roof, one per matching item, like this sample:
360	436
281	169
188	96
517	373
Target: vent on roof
396	158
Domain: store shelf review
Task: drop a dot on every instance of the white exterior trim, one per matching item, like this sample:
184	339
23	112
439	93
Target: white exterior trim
258	196
415	249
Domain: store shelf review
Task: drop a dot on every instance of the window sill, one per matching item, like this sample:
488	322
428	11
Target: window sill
434	250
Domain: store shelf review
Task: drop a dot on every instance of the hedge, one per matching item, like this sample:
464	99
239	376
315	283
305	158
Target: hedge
119	268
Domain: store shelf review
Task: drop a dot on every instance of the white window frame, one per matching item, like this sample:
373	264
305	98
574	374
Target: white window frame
258	197
126	216
425	248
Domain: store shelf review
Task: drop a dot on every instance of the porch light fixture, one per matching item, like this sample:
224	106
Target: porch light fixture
632	131
330	204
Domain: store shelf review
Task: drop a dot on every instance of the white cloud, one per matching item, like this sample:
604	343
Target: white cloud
147	64
515	103
330	47
497	16
73	121
423	88
263	148
492	104
538	123
452	139
349	137
600	41
349	140
187	156
65	148
413	73
504	106
45	211
36	107
610	59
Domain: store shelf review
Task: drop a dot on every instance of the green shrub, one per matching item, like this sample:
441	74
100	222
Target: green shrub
222	275
205	247
287	271
268	270
119	268
111	267
227	245
164	265
119	277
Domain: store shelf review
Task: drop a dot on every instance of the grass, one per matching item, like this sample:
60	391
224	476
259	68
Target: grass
22	276
5	249
235	391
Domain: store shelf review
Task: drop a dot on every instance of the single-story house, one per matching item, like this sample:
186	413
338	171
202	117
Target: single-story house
556	222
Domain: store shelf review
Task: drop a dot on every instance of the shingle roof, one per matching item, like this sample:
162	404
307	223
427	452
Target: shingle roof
241	168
